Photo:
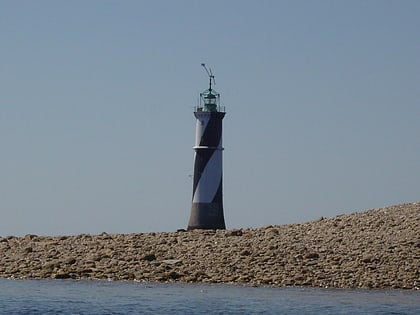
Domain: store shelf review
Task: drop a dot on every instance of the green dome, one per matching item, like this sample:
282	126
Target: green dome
210	95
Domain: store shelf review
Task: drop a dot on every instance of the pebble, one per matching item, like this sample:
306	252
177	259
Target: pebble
378	248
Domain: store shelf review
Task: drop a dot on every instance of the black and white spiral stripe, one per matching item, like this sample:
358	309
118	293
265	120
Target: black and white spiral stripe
207	200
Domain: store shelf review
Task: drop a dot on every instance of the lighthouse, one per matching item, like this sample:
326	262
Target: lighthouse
207	196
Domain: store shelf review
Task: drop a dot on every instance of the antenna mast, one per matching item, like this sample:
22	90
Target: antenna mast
210	74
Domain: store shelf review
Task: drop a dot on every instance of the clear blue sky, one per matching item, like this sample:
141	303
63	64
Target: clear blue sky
97	97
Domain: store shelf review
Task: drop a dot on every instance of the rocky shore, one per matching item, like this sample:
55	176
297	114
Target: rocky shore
378	248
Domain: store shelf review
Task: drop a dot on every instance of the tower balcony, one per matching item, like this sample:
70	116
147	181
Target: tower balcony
218	108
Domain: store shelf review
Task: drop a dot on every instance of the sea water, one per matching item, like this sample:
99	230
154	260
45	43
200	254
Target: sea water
115	297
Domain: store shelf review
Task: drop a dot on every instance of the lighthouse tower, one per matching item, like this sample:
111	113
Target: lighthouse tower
207	197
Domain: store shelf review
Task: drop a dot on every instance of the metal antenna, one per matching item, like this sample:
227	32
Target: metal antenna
210	74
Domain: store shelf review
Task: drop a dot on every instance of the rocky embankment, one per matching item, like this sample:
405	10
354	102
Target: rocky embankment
373	249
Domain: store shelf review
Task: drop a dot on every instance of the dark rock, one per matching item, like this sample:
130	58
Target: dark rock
234	233
28	250
62	275
30	236
174	275
369	259
70	261
245	252
312	255
149	257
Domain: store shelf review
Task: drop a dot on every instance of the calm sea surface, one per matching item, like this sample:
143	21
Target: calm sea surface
103	297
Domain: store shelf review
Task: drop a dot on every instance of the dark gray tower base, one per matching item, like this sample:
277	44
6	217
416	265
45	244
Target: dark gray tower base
207	216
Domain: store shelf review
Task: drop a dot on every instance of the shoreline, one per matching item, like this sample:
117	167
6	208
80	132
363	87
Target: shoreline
374	249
